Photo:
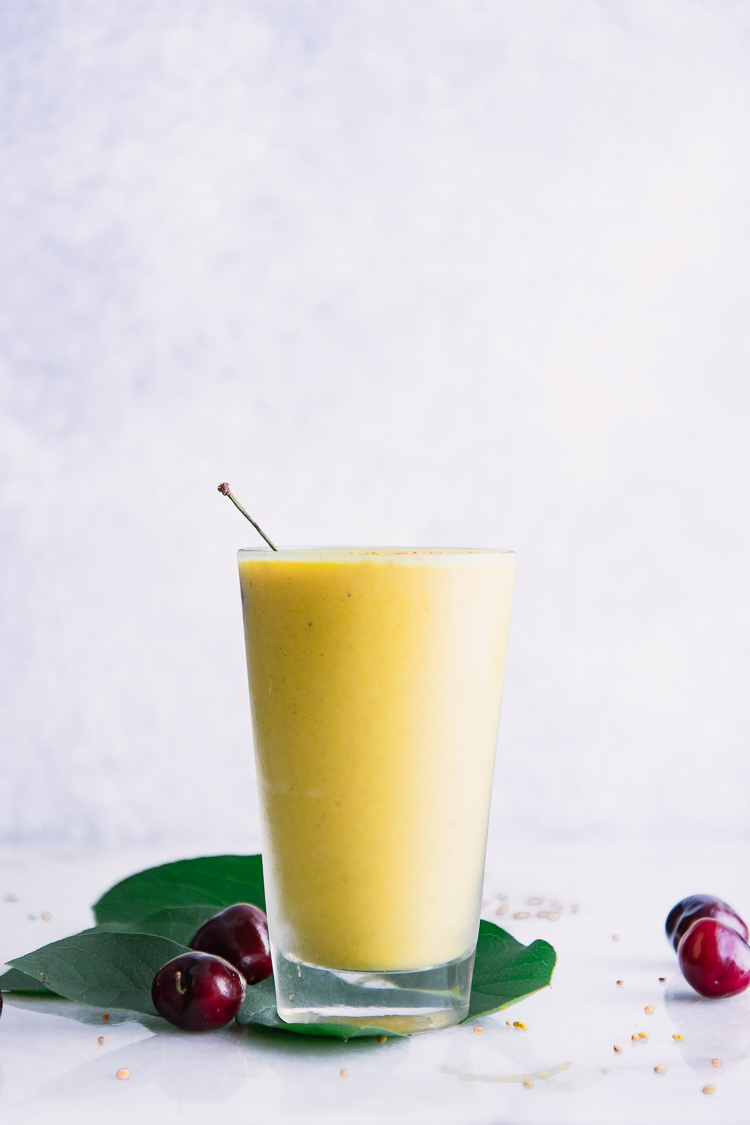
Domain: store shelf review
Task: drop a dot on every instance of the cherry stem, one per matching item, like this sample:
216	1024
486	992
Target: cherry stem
225	491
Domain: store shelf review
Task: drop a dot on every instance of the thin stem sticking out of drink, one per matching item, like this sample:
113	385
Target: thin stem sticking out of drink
225	490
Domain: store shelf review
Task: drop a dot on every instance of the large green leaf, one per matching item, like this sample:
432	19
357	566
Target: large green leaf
505	971
259	1007
150	917
215	881
108	970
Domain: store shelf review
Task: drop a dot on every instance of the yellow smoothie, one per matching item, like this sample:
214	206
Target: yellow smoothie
375	684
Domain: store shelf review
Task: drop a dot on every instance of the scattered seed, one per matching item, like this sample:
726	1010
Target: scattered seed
678	1036
521	914
649	1008
123	1073
643	1035
46	916
617	1050
528	1085
553	915
708	1089
615	937
100	1040
534	901
660	1069
662	980
501	910
105	1016
382	1039
477	1031
523	1026
715	1062
344	1073
291	995
507	1023
634	1038
620	983
542	914
10	898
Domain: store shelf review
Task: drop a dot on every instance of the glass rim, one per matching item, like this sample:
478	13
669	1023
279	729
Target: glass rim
388	552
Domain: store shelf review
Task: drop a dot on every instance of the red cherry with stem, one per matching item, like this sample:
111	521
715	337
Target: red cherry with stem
198	992
239	934
688	910
714	959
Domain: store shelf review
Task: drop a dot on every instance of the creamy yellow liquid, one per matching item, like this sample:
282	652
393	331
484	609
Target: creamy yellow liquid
375	684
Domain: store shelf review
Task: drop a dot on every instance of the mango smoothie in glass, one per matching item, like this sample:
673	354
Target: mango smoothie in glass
375	684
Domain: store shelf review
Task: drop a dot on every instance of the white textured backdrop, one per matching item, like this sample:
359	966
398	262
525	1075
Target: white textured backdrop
403	271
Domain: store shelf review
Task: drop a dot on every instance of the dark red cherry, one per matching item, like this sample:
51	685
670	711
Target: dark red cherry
682	916
714	959
239	934
198	992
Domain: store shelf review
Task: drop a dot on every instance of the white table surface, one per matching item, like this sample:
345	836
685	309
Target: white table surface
54	1070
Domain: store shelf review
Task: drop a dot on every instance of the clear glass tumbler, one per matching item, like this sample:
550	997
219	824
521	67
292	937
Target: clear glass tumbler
375	684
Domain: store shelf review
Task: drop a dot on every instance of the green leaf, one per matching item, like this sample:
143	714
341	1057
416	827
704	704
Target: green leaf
108	970
147	919
216	880
506	971
16	981
259	1007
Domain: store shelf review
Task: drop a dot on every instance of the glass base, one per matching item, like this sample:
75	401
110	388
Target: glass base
405	1001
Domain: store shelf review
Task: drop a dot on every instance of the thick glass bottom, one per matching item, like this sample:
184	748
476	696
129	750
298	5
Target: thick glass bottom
405	1001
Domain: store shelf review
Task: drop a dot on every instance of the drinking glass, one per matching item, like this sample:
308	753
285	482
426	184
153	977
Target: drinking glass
375	683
